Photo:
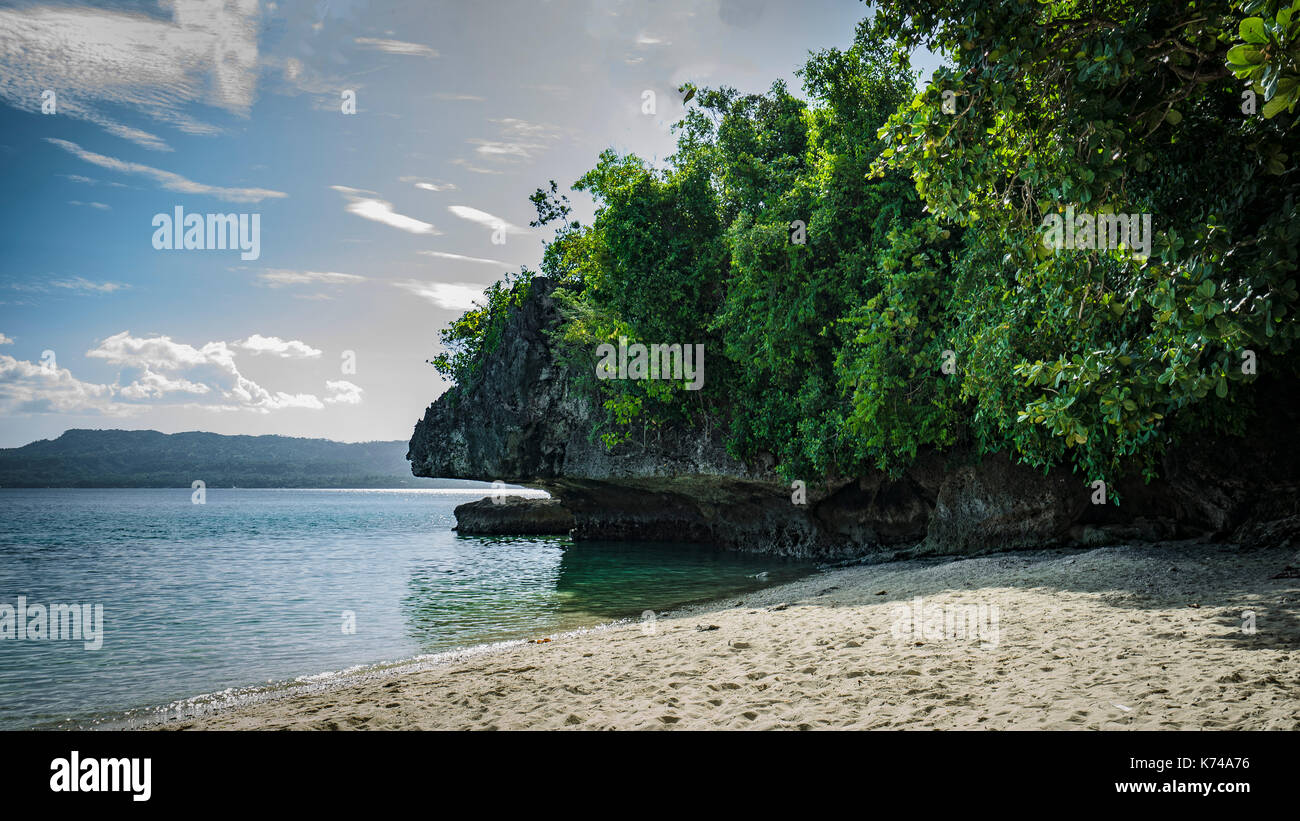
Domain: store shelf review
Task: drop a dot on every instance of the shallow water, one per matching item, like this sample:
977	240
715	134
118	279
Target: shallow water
253	588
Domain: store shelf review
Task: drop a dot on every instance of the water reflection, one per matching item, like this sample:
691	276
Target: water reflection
497	588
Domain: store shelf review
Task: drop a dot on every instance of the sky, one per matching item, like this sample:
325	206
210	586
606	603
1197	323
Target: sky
375	227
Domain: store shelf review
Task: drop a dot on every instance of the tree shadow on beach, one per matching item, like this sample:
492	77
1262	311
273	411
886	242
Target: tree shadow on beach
1253	595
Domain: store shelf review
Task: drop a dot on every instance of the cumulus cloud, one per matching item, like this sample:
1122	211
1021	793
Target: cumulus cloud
207	53
27	387
6	340
166	179
160	353
208	371
458	296
152	385
372	208
285	349
342	392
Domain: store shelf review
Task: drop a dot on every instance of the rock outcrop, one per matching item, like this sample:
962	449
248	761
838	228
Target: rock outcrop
513	516
524	422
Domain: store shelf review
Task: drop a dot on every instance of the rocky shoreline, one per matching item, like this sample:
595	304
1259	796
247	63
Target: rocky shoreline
513	516
524	422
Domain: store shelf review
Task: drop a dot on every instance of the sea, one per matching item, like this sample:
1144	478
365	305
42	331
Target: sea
182	608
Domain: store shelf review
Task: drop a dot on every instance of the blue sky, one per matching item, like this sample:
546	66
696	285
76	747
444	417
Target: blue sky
376	228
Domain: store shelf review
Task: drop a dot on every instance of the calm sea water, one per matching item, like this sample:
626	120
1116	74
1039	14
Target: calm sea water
250	589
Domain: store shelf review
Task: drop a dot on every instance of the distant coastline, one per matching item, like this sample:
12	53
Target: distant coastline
147	458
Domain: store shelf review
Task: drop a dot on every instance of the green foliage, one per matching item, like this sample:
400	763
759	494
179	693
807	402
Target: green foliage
1086	357
923	213
476	334
1268	53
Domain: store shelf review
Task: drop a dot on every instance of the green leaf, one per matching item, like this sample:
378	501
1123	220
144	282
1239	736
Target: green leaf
1244	58
1252	31
1275	106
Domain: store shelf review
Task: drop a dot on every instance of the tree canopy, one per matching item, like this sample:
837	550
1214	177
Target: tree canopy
867	266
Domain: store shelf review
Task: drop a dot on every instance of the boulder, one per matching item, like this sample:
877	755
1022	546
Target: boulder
513	516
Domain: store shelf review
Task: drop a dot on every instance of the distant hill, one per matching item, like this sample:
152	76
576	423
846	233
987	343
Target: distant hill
147	458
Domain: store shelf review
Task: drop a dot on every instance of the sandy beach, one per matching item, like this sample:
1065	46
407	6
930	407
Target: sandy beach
1170	636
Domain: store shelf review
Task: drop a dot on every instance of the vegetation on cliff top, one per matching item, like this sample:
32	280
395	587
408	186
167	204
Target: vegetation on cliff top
923	309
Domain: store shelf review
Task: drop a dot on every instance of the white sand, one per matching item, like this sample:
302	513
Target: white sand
1098	639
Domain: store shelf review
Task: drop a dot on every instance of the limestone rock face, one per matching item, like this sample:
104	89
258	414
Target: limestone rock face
998	504
523	422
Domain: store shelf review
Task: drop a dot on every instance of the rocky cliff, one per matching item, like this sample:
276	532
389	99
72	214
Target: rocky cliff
524	422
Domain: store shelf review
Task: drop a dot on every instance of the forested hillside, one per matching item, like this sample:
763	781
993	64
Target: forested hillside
147	458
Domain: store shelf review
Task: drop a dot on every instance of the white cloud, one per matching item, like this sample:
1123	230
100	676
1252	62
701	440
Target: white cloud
118	59
6	340
464	163
462	258
396	46
495	148
519	140
429	185
89	180
77	284
26	387
644	39
101	206
166	179
460	97
458	296
278	277
82	284
152	385
372	208
160	353
484	218
283	348
342	392
209	371
514	126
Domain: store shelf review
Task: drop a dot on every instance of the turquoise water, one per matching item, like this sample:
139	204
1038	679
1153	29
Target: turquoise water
250	589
